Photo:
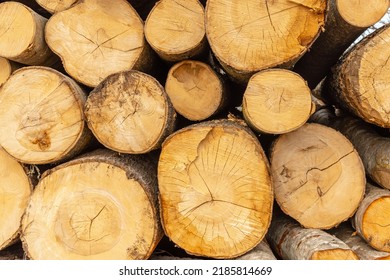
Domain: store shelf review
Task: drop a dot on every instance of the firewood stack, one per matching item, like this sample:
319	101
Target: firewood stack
199	129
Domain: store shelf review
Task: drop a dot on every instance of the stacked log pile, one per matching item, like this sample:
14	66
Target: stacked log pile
180	129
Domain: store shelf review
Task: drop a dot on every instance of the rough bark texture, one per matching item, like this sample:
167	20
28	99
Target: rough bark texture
249	36
372	219
318	176
346	21
100	206
359	82
293	242
260	252
196	91
215	188
96	38
373	149
130	112
22	35
182	21
361	248
276	101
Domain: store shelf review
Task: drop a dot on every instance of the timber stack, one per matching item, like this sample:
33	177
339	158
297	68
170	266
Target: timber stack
187	129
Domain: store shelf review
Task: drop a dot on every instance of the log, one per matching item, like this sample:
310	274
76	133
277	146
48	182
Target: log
130	112
16	184
96	38
346	21
175	30
372	219
90	208
373	148
345	233
293	242
22	35
216	194
54	6
249	36
195	90
359	82
6	68
318	176
44	121
260	252
276	101
143	7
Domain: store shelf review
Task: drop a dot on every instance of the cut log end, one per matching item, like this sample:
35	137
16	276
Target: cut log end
15	191
313	167
97	38
195	90
178	37
54	6
215	190
276	101
335	254
44	121
85	209
130	112
5	70
248	36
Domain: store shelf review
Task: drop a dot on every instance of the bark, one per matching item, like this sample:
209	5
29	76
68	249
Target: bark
96	38
359	82
215	188
44	121
196	91
372	219
318	176
373	149
293	242
361	248
100	206
22	35
249	36
182	21
346	21
260	252
130	112
276	101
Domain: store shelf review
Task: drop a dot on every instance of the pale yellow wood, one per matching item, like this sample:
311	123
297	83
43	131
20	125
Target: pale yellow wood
276	101
318	176
195	90
335	254
215	190
22	35
44	119
5	70
175	29
351	11
54	6
96	38
130	112
248	36
96	207
15	191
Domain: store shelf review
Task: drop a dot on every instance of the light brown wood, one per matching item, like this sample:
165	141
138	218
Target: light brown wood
216	194
346	21
373	148
318	176
44	120
5	70
293	242
54	6
100	206
361	248
276	101
372	219
130	112
359	83
249	36
15	190
196	91
96	38
22	35
175	29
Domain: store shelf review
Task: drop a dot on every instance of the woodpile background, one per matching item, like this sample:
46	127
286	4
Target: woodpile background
187	129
